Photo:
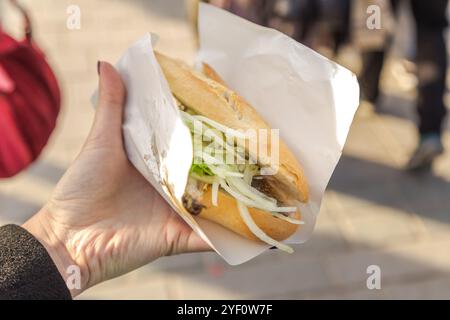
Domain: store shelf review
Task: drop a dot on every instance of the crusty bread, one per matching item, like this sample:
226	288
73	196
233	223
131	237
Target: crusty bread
207	95
209	72
227	215
215	101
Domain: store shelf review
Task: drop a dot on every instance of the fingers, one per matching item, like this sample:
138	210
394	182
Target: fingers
111	100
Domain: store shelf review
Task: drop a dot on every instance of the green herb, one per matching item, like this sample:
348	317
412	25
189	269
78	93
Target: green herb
202	169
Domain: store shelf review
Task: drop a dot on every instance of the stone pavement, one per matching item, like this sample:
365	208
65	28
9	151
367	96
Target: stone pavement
373	212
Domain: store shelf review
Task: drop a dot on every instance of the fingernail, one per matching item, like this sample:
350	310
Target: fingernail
99	63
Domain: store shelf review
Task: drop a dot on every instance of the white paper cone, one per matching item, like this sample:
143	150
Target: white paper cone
311	99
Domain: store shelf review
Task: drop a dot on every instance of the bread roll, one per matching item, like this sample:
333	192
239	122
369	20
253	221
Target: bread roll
207	95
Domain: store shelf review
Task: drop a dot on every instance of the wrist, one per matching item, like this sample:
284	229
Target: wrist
55	242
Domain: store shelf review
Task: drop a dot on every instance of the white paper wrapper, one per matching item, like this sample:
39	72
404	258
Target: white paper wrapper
311	99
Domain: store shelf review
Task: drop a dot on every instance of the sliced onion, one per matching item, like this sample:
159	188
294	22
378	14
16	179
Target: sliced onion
233	174
258	232
191	119
227	146
187	117
283	209
251	192
238	196
236	183
252	203
242	188
208	159
288	219
195	130
215	193
248	174
198	146
218	171
223	172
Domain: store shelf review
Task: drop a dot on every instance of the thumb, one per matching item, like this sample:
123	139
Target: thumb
111	100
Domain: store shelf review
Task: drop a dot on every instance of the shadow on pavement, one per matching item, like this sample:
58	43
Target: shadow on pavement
397	106
422	193
311	272
400	107
45	170
15	210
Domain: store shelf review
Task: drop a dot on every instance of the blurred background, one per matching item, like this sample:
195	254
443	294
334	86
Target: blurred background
374	212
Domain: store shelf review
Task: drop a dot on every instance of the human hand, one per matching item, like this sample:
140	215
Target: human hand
103	215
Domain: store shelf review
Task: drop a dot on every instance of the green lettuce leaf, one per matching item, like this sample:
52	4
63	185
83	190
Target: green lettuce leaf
202	169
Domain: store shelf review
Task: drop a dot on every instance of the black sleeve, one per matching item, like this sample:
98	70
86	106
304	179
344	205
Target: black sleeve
26	269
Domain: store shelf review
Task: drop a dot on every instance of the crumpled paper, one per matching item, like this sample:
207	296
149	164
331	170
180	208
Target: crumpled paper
311	99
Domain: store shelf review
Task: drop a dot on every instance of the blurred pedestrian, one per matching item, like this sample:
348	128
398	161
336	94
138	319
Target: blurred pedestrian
315	23
431	20
252	10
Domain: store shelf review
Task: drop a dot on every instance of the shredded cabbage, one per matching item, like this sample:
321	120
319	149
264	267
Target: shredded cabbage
288	219
208	159
224	172
212	136
249	173
252	203
234	179
251	192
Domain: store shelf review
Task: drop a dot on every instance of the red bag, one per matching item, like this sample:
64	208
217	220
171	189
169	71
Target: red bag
29	101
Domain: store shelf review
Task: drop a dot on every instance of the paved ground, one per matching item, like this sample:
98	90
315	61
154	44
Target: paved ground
373	212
